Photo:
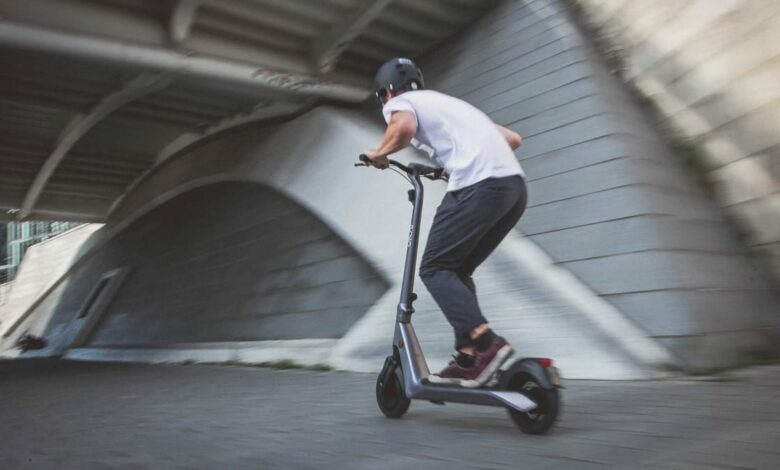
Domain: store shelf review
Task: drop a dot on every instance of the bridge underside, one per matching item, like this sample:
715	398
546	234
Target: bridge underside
94	93
625	266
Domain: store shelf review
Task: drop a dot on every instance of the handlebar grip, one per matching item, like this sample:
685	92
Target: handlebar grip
408	169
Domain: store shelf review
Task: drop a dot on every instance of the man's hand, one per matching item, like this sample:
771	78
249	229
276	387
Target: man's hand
376	159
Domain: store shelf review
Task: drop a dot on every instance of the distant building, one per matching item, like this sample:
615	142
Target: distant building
18	236
3	254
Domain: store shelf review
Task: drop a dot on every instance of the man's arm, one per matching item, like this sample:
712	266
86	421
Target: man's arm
400	130
512	138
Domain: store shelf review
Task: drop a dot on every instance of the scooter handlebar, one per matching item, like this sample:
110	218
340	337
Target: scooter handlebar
367	161
422	170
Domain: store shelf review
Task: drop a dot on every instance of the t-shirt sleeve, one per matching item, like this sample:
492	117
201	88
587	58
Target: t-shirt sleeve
398	103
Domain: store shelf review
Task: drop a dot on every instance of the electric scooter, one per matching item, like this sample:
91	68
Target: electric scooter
528	388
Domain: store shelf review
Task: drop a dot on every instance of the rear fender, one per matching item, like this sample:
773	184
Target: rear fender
532	367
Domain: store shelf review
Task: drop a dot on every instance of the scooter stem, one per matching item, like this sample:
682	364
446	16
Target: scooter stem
405	307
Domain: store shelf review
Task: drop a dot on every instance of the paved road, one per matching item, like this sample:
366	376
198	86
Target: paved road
65	415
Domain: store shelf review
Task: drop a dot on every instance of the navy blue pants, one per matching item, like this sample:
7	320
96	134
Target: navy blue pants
469	224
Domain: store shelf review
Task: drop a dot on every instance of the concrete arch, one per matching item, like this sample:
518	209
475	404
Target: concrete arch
225	262
310	161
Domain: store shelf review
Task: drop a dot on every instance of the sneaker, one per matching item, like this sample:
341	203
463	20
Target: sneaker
455	374
488	361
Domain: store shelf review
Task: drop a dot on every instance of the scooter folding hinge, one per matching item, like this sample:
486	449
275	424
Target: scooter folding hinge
404	313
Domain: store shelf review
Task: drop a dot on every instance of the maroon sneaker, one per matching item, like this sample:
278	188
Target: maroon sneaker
488	361
455	374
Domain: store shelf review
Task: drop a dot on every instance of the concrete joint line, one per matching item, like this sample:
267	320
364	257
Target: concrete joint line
605	316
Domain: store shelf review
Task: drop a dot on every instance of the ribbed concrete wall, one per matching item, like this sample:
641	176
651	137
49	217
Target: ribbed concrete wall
607	200
712	68
225	262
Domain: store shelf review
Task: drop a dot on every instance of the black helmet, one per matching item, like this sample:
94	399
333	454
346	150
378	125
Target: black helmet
398	75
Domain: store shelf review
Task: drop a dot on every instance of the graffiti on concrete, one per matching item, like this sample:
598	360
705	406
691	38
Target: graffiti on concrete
288	81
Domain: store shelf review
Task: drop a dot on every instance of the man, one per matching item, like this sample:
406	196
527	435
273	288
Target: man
485	198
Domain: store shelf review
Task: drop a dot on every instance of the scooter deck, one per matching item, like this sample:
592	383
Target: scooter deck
492	384
489	396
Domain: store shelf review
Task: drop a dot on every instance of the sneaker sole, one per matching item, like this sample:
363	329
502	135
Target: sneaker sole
501	356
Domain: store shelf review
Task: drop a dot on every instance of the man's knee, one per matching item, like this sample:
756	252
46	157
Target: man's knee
430	267
427	271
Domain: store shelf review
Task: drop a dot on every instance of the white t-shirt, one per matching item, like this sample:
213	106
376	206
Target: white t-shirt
458	136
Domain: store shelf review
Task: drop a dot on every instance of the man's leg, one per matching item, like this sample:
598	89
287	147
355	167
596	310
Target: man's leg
465	338
488	349
492	239
462	221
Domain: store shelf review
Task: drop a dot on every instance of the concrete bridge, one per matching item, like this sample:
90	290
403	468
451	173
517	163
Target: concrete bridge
219	157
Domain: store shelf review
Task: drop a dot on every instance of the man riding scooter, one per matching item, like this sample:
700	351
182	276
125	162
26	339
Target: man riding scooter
486	195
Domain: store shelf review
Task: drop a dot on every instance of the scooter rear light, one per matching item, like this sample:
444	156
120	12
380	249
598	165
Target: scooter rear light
545	362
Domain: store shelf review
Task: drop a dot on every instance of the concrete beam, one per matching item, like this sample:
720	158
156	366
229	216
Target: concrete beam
261	111
182	19
80	125
262	17
317	11
327	48
451	12
271	81
101	19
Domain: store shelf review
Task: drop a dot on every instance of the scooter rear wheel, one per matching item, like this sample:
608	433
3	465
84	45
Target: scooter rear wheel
540	419
390	394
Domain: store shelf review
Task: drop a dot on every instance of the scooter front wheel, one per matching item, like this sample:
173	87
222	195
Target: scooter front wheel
390	394
540	419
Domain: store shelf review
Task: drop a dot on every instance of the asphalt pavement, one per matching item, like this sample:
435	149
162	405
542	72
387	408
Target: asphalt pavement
75	415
